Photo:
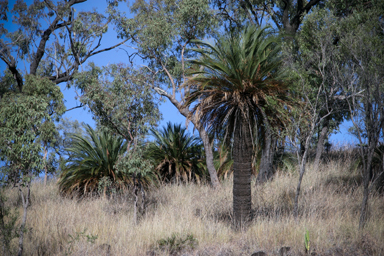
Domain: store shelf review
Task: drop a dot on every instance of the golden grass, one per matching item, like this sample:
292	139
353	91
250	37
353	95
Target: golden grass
329	209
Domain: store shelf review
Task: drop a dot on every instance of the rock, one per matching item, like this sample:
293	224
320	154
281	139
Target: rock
284	251
105	248
259	253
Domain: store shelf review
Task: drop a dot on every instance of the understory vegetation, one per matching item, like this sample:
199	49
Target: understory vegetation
263	85
194	219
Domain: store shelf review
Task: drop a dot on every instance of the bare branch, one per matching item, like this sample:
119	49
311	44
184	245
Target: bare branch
80	106
107	49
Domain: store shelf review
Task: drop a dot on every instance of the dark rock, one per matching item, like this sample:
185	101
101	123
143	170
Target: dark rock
284	251
106	248
260	253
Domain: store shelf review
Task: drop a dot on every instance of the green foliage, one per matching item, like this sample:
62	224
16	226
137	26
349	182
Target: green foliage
241	83
52	36
90	160
120	99
133	164
176	243
27	121
161	31
66	128
8	227
177	155
158	25
312	63
105	187
307	242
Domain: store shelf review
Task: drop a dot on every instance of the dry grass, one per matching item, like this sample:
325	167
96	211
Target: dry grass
329	210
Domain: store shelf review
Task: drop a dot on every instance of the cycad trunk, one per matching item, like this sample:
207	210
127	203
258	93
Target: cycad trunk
242	170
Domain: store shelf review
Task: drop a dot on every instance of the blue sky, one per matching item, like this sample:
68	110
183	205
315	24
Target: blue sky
169	112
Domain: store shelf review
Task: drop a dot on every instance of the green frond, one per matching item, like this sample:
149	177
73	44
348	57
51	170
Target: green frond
91	159
241	82
176	154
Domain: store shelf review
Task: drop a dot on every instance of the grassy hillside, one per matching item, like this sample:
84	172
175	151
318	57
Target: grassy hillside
195	220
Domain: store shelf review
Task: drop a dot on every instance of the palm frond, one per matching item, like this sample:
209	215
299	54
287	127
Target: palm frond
176	155
241	82
90	159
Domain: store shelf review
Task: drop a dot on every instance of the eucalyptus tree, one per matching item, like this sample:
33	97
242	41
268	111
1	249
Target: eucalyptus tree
314	65
51	37
362	44
23	125
120	100
122	104
160	32
285	15
238	89
50	43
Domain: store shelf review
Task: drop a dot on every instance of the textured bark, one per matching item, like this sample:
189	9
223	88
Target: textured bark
203	135
291	22
135	191
142	198
45	166
25	201
242	170
209	158
320	144
266	161
296	203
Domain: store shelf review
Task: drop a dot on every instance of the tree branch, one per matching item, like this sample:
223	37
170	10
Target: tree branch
80	106
68	74
107	49
16	74
41	48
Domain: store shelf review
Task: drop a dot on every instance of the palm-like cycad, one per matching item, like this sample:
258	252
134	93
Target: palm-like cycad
176	154
90	160
238	89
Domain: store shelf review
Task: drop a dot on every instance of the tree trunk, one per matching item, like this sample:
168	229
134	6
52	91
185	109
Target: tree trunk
242	171
364	204
302	159
320	143
366	179
135	190
25	201
209	157
266	162
302	171
204	136
45	165
142	198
